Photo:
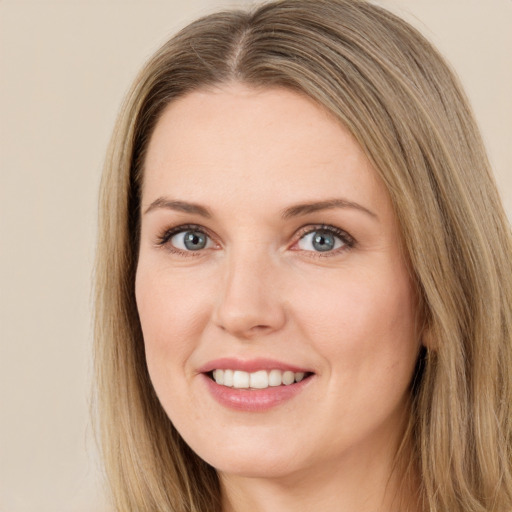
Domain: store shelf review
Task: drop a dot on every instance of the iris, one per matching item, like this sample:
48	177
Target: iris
323	241
194	240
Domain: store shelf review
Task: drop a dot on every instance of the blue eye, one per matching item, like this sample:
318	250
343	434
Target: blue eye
321	240
190	240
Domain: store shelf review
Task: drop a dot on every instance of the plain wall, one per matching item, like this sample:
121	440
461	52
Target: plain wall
64	68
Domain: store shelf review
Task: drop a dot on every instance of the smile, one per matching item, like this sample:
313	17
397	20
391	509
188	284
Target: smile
255	385
260	379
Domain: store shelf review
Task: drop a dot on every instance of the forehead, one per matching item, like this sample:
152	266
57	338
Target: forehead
255	142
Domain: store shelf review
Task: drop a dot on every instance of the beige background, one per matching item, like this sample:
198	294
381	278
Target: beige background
64	67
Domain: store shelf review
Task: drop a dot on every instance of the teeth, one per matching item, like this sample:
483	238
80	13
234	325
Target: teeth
256	380
288	378
275	378
240	379
228	377
218	376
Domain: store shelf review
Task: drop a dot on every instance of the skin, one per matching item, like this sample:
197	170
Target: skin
261	289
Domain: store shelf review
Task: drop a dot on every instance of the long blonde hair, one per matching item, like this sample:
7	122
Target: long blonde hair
406	109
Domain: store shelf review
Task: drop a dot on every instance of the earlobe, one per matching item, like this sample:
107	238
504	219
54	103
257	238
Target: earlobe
428	341
425	335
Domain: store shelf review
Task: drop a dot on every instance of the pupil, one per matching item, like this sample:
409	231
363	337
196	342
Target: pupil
323	241
195	240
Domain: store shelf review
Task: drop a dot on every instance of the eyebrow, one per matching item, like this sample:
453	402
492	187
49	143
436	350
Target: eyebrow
179	206
287	213
329	204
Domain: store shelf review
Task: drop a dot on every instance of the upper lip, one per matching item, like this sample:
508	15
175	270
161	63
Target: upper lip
250	365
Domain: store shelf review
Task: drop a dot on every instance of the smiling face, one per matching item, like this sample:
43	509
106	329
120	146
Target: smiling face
269	249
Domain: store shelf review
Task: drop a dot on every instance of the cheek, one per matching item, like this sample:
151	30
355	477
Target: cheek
365	331
172	315
362	324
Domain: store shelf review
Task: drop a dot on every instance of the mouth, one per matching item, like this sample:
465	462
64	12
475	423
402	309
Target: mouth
260	379
255	385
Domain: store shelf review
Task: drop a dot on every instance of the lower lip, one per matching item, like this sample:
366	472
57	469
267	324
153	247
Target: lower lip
254	400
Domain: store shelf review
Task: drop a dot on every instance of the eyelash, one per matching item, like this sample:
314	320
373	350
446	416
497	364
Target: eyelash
164	239
348	241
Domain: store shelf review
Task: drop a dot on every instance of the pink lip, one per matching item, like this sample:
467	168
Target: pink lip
253	365
253	400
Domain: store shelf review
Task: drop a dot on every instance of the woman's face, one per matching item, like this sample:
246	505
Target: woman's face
270	254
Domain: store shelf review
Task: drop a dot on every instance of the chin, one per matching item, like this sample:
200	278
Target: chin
252	460
259	467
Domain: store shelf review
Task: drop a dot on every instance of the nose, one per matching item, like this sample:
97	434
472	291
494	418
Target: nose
250	302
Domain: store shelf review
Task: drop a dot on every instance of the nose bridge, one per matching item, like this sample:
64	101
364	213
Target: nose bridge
249	301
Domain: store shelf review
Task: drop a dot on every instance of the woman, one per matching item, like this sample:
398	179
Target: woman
303	275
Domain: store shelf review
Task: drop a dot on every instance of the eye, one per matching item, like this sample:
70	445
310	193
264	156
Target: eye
325	239
190	240
186	239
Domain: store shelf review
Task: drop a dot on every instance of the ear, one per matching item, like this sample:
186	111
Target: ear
428	339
